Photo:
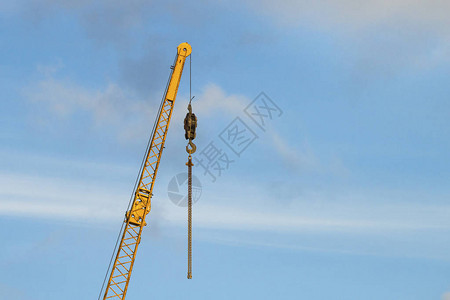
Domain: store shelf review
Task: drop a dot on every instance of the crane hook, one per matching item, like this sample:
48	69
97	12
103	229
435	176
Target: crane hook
192	148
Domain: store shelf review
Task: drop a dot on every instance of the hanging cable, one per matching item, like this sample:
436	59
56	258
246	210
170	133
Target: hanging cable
190	124
189	164
190	79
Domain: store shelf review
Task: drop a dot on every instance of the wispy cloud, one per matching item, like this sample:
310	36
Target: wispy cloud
244	215
51	197
214	100
55	198
117	107
104	21
294	158
354	15
211	103
107	106
127	113
383	36
295	221
13	293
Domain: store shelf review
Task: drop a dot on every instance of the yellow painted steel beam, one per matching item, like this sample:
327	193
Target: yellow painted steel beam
141	205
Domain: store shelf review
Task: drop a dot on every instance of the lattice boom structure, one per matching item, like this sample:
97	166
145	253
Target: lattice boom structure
135	218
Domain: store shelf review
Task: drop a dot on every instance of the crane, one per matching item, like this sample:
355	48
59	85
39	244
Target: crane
140	204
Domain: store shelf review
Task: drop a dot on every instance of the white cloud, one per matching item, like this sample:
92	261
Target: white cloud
13	293
446	296
237	218
50	69
118	107
110	106
55	198
299	159
360	215
8	7
64	98
106	21
33	162
121	110
381	37
356	15
84	200
215	100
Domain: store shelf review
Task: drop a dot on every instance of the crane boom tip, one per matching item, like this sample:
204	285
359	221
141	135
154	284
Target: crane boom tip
184	49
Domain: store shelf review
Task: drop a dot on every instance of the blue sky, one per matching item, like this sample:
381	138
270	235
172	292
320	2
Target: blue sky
343	196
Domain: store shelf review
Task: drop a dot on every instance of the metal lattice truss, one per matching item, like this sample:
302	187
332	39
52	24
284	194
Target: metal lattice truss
141	204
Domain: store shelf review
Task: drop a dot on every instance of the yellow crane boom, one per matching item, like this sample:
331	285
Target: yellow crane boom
141	204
